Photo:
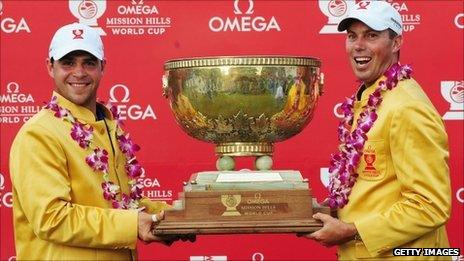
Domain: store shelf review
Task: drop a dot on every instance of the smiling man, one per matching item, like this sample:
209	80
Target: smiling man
73	169
390	177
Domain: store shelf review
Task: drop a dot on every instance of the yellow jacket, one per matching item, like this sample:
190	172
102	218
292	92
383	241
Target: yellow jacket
402	197
58	206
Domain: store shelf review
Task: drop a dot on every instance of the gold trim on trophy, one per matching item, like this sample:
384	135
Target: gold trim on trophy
240	61
244	149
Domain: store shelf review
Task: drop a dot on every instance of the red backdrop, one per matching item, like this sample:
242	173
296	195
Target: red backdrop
142	34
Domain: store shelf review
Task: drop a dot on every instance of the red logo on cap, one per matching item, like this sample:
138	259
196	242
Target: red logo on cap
363	4
78	33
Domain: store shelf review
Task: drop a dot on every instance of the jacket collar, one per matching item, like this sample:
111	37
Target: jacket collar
370	89
81	113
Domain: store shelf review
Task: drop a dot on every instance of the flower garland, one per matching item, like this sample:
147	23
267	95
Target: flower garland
98	158
343	164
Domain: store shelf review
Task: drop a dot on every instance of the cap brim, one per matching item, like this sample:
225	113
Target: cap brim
76	47
370	21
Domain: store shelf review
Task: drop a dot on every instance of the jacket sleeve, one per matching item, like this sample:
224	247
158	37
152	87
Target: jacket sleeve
40	178
153	207
419	150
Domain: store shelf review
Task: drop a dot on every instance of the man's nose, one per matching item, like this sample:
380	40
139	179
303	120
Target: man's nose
79	70
359	44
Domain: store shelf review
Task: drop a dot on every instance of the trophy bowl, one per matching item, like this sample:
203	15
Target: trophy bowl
243	104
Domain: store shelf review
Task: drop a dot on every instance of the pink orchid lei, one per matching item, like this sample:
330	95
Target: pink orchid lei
343	164
98	158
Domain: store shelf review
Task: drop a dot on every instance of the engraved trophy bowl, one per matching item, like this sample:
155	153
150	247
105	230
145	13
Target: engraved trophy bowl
243	104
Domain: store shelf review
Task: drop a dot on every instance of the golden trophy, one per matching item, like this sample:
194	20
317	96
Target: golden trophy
243	105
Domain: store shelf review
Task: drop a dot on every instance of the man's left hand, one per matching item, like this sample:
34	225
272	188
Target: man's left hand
334	232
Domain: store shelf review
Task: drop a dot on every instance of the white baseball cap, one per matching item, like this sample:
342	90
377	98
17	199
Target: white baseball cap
73	37
378	15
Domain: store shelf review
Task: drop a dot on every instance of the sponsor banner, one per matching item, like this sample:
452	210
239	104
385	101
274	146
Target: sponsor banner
460	195
16	107
244	19
324	176
453	93
459	20
120	97
257	257
337	110
88	11
208	258
337	10
6	197
411	18
131	17
152	189
12	25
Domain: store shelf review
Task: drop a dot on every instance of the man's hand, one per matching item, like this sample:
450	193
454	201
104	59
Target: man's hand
334	231
145	226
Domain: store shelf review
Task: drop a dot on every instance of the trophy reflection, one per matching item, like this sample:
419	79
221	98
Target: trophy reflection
243	105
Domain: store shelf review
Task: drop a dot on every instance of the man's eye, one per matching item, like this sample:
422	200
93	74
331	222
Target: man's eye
66	63
91	63
372	35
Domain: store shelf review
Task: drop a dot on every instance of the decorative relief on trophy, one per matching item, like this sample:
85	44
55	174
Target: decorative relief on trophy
243	105
231	202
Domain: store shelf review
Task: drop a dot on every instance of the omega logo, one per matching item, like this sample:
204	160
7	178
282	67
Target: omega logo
238	11
257	257
7	198
126	93
14	85
337	111
459	21
131	111
460	195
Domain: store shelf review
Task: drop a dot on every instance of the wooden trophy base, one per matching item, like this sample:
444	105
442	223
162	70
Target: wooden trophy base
243	203
237	227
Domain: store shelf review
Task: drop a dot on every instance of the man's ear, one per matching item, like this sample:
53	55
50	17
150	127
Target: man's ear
49	66
103	64
397	43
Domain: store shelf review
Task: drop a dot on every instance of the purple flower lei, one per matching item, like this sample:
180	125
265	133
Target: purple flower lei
343	163
98	157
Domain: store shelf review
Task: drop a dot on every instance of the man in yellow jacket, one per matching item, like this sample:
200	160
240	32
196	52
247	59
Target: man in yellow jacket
390	179
73	169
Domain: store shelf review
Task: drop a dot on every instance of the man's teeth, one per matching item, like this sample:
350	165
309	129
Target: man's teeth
362	60
78	84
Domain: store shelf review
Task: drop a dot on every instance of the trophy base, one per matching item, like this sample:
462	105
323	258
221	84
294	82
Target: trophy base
243	202
237	227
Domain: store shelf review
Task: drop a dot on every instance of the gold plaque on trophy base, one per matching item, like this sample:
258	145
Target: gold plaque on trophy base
241	202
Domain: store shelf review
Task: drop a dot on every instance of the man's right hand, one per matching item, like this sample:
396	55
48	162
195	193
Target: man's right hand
145	226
